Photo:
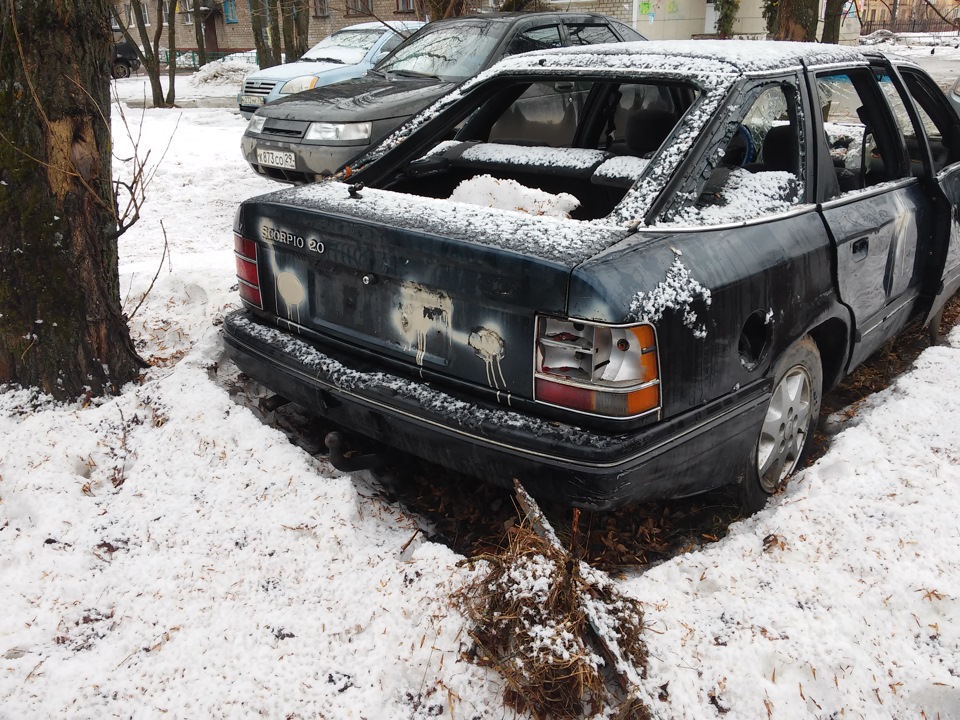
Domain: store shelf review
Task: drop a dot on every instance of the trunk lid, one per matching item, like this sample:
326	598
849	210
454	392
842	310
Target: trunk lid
448	287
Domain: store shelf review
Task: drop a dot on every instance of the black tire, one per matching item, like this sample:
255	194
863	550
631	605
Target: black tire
788	426
120	70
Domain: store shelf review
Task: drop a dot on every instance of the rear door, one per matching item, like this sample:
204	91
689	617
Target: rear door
548	111
936	131
875	207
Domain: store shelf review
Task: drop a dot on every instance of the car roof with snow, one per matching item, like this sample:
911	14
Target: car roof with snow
696	57
378	25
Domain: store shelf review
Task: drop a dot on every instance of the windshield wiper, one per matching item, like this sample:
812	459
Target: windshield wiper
322	59
412	74
378	73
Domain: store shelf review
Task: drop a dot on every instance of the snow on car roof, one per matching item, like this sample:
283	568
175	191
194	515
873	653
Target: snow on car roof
377	25
691	56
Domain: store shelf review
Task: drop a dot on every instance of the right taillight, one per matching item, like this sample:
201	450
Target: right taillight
245	253
609	370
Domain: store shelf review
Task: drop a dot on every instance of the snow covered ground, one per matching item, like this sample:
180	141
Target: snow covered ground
163	553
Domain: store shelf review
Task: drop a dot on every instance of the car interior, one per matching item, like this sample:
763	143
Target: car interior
588	139
594	139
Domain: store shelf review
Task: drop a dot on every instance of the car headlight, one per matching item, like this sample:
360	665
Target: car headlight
256	124
298	84
956	87
339	131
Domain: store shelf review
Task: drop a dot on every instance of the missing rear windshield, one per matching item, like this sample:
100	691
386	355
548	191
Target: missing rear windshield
555	146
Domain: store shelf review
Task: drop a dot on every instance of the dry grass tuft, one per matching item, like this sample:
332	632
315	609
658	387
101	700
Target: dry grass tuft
561	634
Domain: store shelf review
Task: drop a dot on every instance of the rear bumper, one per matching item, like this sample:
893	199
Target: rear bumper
682	456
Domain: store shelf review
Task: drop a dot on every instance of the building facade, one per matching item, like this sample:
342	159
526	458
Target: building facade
912	15
228	29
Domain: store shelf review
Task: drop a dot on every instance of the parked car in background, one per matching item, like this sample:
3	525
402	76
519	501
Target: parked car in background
652	308
954	96
347	53
125	60
303	138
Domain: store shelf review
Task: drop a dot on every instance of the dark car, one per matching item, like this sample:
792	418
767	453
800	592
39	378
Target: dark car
313	134
125	60
747	223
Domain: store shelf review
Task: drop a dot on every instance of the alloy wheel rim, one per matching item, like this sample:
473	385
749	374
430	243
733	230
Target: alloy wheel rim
785	428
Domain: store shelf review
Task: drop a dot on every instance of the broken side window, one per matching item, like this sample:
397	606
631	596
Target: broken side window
757	170
865	146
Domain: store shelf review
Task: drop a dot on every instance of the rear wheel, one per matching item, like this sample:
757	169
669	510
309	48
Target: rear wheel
120	70
788	425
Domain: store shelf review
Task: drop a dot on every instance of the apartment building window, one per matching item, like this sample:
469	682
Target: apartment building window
359	7
132	18
405	6
167	17
230	12
320	8
185	8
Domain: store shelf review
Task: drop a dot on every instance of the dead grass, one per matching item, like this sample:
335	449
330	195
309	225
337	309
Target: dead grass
564	638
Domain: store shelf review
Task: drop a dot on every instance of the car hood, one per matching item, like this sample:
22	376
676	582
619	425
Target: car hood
364	99
295	69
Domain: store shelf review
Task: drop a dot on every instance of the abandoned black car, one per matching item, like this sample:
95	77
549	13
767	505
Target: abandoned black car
639	290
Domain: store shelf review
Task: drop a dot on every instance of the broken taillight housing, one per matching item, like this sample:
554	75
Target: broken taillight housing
245	253
609	370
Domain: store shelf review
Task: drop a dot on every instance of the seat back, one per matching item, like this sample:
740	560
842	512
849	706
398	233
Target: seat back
646	130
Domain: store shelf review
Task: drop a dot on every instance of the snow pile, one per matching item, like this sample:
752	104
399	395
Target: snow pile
842	598
488	191
164	553
221	72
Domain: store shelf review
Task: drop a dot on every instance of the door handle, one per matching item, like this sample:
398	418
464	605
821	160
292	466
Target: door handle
860	249
563	86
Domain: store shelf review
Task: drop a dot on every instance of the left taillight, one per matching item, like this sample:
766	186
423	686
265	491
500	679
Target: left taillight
245	253
607	370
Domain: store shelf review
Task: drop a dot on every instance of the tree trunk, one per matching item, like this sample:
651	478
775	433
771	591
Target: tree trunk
171	51
832	19
274	31
148	49
302	8
797	20
198	31
61	326
261	41
288	29
151	50
296	19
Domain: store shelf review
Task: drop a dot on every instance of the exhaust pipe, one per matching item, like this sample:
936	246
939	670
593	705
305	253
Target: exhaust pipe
335	444
272	403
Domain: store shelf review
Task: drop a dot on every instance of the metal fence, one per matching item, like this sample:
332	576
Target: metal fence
921	25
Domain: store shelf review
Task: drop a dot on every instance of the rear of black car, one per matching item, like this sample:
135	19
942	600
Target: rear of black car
459	351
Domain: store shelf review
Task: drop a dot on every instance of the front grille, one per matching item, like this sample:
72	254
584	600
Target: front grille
258	87
285	129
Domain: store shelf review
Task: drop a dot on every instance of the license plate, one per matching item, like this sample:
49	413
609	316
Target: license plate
247	100
276	158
